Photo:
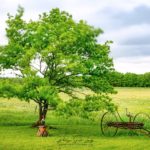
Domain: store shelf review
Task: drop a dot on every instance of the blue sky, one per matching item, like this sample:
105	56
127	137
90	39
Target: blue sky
126	22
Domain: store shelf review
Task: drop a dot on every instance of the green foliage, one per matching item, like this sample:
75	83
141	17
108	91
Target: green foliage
36	88
56	54
9	87
85	108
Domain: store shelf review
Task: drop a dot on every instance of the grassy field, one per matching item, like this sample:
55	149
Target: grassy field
135	99
16	133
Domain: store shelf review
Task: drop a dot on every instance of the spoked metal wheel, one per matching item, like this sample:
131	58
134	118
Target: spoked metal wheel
145	119
107	119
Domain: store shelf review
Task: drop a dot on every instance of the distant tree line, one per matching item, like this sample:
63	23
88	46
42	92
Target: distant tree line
118	79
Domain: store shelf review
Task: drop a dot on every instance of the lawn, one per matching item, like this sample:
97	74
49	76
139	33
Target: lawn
16	133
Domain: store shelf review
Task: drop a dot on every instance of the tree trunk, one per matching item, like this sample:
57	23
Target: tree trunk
43	107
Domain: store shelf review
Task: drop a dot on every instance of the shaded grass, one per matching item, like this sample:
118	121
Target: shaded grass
67	137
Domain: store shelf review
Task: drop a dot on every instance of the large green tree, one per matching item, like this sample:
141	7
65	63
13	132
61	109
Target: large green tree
56	54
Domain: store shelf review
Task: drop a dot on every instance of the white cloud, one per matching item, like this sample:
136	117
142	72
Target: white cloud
133	64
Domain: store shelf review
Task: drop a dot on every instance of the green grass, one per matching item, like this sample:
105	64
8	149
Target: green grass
16	133
135	99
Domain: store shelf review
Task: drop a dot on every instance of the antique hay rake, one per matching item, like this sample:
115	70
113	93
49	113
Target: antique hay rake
111	122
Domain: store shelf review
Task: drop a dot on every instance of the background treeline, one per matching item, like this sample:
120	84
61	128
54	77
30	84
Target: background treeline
118	79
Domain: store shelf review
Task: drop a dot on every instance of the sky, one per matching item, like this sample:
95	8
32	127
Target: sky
125	22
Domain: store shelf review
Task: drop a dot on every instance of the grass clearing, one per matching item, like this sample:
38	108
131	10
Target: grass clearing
17	116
